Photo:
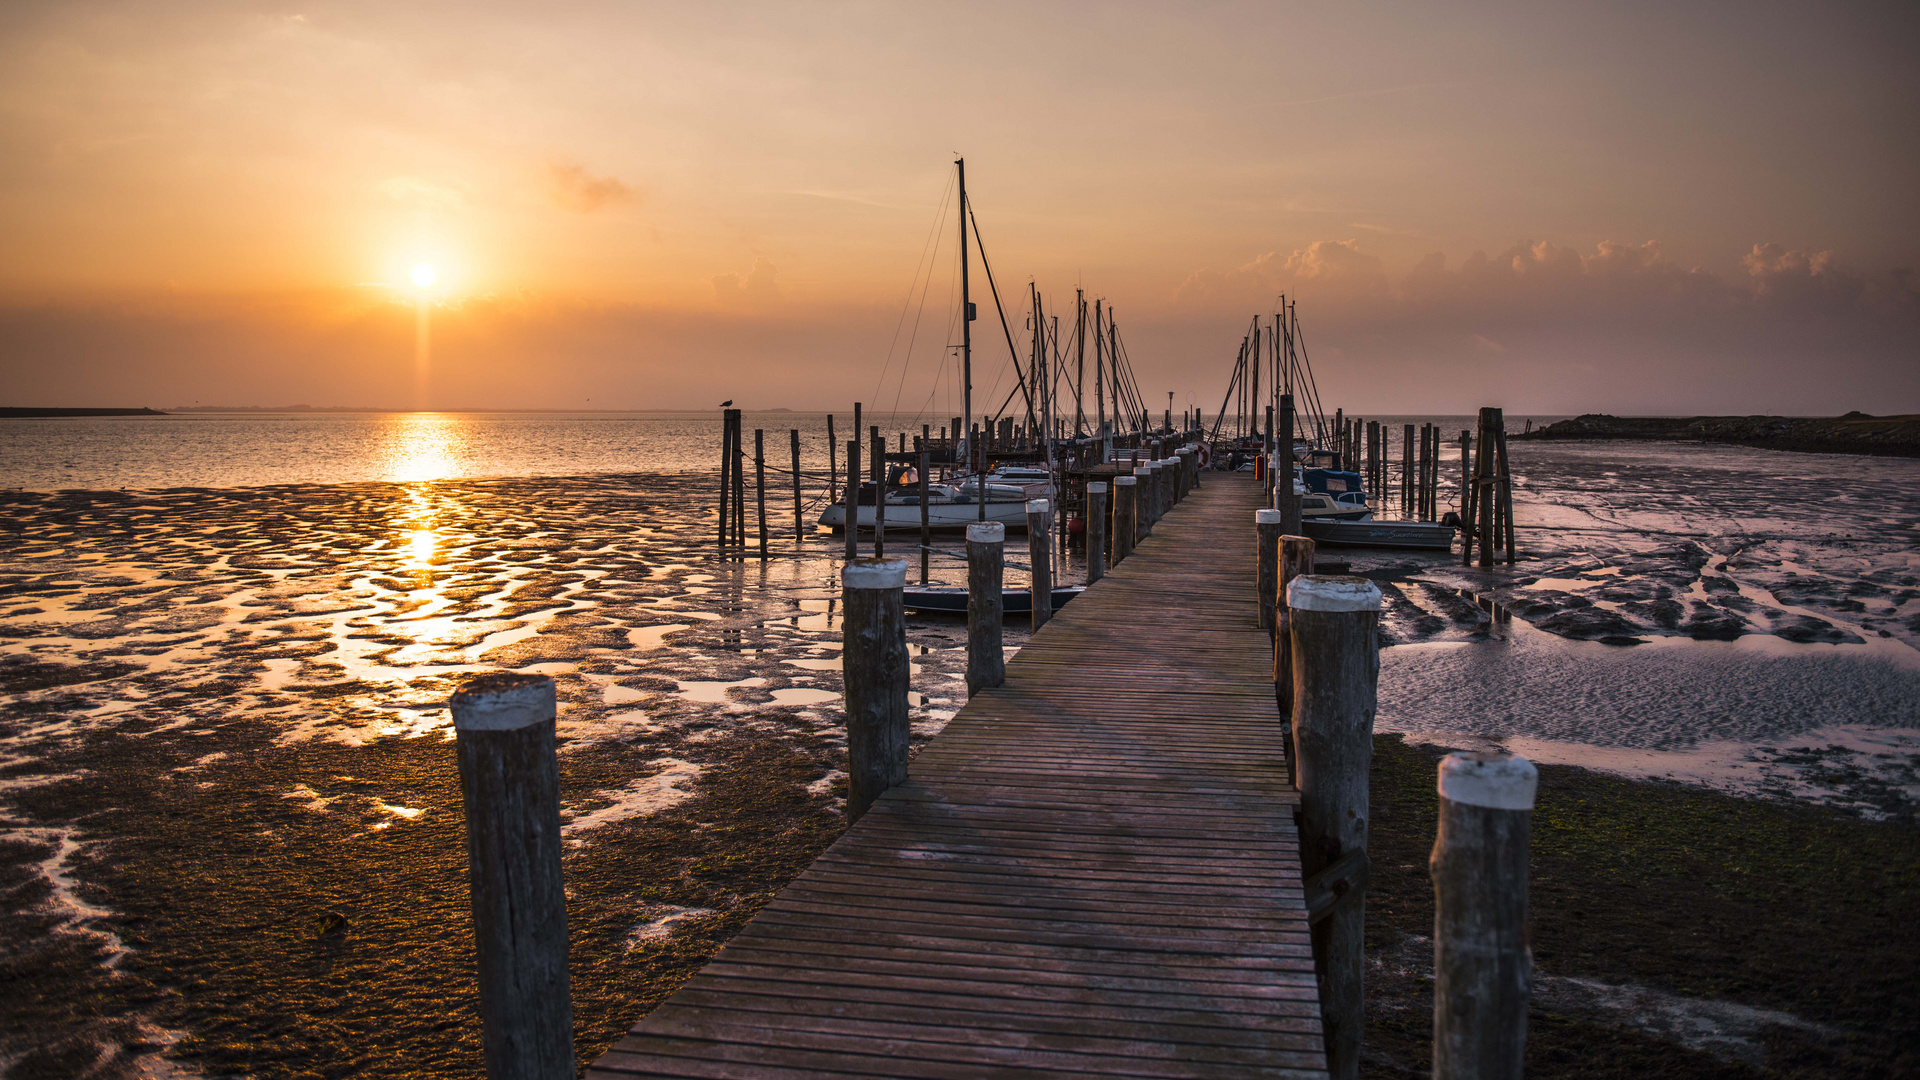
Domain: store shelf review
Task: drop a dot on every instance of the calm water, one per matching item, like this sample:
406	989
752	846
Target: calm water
251	450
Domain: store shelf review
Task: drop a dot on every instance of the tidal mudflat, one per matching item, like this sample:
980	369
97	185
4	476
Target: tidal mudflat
232	827
232	821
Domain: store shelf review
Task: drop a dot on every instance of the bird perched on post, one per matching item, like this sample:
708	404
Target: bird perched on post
727	404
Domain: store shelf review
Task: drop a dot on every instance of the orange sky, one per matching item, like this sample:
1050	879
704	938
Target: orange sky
1558	208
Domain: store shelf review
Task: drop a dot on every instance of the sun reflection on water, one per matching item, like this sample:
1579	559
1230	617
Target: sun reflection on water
424	446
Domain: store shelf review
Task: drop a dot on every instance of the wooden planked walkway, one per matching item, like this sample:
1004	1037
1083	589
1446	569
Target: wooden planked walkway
1092	870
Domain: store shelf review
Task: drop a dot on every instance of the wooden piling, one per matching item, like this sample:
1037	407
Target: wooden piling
926	528
1406	473
1266	577
1334	623
879	494
1040	557
833	465
1296	559
739	487
503	728
726	474
1096	531
1482	966
874	669
760	483
853	499
1126	502
986	606
1142	503
1488	492
1506	488
1283	496
799	519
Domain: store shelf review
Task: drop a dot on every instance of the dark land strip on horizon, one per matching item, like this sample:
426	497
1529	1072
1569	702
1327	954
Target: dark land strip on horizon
1854	433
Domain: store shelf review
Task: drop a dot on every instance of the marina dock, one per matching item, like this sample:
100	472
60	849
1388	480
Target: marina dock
1093	870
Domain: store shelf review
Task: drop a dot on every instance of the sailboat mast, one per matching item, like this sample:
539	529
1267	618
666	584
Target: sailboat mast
1099	369
1080	365
966	335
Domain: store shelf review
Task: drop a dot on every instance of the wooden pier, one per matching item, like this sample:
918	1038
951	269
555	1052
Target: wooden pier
1092	871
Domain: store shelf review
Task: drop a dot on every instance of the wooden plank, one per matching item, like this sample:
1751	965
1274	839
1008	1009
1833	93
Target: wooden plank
1093	871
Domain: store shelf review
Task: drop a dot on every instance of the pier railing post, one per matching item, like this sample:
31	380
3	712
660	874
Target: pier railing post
1126	507
1040	557
1482	967
874	667
1142	504
1096	531
510	785
1336	669
1266	527
986	577
1296	560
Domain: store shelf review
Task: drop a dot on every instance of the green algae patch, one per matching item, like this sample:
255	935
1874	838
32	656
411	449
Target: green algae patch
1806	919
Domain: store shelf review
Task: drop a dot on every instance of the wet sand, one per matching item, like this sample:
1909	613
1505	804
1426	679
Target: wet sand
232	824
233	829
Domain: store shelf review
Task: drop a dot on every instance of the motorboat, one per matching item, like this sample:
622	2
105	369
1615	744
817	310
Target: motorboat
1415	535
949	507
952	599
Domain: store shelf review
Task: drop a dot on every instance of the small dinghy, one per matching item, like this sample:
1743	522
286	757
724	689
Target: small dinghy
952	599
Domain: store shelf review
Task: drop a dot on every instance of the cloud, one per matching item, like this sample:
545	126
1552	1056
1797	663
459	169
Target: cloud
756	289
422	193
573	188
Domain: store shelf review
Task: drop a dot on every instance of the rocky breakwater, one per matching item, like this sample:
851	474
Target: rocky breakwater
1854	433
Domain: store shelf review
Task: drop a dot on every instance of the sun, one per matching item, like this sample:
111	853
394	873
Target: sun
424	276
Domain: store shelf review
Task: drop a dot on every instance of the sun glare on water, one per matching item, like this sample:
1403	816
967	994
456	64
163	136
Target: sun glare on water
423	275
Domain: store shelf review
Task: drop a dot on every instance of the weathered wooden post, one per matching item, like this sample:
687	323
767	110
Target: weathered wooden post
1126	501
1296	559
986	576
760	483
1142	504
874	667
1040	557
879	494
1283	496
1096	531
1169	484
926	528
1266	578
1504	473
1488	491
833	461
726	474
510	785
853	498
799	523
1336	668
1406	475
1482	965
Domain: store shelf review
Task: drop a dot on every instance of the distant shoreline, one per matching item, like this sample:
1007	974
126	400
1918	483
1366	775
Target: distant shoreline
14	411
1854	433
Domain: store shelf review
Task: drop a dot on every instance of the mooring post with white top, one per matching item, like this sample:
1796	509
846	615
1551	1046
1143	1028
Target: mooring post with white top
1126	510
1143	504
1334	623
510	785
1040	557
1170	468
874	667
1266	578
1482	966
1096	531
986	607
